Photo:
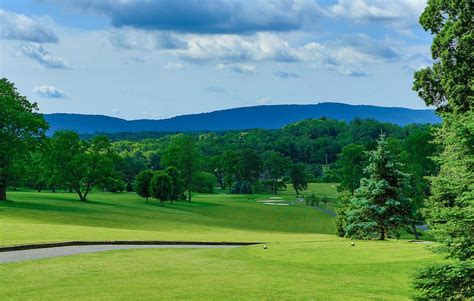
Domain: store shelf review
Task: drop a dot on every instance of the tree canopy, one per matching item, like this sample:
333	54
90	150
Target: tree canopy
21	128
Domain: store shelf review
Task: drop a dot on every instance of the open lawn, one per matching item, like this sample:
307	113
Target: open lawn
305	260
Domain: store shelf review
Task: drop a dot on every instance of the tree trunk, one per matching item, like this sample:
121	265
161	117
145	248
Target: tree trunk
3	192
382	234
189	195
297	192
417	235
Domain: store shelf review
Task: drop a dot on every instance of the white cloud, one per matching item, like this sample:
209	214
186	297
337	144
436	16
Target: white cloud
43	57
400	15
258	47
20	27
238	68
49	92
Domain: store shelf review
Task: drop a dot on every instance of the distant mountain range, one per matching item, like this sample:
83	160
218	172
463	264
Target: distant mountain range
265	117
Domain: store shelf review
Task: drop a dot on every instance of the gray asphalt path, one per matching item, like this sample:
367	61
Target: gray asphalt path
14	256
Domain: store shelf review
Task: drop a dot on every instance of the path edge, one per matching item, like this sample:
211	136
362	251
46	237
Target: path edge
120	242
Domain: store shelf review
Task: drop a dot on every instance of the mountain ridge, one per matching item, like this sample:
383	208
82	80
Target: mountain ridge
262	116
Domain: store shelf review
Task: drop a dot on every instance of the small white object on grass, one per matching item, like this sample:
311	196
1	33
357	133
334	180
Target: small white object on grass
353	244
265	247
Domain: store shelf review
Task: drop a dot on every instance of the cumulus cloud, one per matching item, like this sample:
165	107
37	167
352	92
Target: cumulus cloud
238	68
284	74
258	47
20	27
351	55
211	16
49	92
401	14
43	57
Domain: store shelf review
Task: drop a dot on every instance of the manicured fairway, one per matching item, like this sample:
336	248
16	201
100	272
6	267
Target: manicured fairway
304	260
46	217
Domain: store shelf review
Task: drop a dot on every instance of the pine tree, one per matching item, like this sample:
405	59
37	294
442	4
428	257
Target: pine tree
379	207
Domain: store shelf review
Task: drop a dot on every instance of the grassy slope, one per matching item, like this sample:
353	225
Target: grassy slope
304	259
42	217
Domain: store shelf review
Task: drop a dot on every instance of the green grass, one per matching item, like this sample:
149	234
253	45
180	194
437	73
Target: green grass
304	260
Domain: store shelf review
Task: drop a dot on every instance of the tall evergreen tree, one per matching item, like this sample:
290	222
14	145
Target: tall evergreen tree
379	206
449	85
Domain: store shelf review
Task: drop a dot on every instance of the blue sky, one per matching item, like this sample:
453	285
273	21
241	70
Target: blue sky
157	59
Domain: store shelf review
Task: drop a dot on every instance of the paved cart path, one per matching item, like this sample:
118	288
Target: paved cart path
14	256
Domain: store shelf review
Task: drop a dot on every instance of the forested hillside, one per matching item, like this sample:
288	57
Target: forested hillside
262	117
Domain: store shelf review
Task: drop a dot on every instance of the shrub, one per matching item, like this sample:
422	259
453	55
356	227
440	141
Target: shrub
453	281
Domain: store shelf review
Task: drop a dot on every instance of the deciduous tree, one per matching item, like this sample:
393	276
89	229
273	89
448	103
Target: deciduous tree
161	186
448	84
20	129
143	183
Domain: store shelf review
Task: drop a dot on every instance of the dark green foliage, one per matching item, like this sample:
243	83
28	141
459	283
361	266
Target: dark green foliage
275	166
446	281
81	164
312	200
161	186
449	210
21	128
178	184
350	167
143	183
379	207
298	177
448	85
341	217
184	155
247	172
204	182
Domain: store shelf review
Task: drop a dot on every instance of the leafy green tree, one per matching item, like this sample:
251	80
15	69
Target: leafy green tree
21	128
379	206
448	84
350	167
298	177
275	166
178	184
249	167
204	182
161	186
184	155
81	164
143	183
230	161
